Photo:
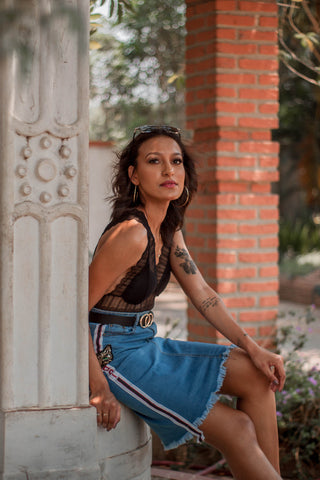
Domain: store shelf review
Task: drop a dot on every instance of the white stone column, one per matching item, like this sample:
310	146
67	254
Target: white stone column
47	429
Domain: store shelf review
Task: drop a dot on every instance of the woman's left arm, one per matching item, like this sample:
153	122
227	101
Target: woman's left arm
211	306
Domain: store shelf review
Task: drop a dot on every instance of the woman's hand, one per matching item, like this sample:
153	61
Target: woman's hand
271	365
108	407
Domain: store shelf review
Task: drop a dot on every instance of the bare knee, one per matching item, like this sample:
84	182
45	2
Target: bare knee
244	429
228	429
243	378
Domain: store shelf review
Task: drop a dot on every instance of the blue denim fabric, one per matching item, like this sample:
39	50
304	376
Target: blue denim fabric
171	384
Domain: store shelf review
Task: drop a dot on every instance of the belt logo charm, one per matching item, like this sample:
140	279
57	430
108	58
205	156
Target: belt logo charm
146	320
105	356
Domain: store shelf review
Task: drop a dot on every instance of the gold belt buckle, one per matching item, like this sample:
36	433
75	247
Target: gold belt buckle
146	320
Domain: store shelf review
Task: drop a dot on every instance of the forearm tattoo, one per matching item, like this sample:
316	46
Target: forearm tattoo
209	302
188	265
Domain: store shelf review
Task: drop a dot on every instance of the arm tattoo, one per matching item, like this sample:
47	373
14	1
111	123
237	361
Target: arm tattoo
209	302
187	264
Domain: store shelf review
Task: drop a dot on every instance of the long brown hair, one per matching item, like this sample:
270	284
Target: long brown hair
123	189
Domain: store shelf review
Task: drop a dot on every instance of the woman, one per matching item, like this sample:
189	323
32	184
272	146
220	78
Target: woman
172	385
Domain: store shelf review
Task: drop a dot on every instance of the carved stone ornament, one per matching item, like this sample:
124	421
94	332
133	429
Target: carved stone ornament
42	174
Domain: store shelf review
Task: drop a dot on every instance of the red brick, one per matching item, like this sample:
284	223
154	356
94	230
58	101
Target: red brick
225	5
252	199
256	257
259	176
225	257
226	287
268	161
269	108
256	64
259	286
225	33
269	242
225	228
234	214
259	93
226	199
269	50
256	6
258	122
240	302
235	187
256	35
235	243
234	135
236	78
259	147
269	301
269	214
258	316
225	62
223	121
235	107
195	109
261	135
258	229
236	161
238	272
236	48
196	241
225	175
269	79
194	212
269	271
260	187
236	20
271	22
205	36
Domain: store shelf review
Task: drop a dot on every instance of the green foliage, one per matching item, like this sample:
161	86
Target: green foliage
299	38
298	406
298	237
137	74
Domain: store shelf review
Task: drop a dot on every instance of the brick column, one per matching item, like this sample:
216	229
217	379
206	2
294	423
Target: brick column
231	107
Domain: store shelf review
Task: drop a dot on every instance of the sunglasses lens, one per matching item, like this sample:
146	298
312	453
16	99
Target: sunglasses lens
156	129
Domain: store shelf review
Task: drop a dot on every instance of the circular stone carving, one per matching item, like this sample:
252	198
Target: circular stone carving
45	197
26	152
45	142
25	189
46	170
21	171
63	191
71	171
65	151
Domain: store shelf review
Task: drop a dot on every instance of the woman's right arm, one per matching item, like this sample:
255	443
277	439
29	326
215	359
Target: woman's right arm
116	254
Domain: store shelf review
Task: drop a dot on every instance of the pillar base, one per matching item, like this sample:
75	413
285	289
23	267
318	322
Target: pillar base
51	444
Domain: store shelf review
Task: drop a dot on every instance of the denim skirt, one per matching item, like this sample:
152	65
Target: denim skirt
171	384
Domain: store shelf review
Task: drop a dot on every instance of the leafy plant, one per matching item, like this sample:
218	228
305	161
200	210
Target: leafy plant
299	236
298	406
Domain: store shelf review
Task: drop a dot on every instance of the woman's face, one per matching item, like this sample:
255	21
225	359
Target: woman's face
160	172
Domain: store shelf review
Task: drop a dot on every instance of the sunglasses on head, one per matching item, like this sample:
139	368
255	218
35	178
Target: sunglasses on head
156	129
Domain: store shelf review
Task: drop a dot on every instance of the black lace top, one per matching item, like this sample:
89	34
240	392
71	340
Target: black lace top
144	281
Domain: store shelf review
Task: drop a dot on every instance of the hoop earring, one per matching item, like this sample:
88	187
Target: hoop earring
135	194
187	199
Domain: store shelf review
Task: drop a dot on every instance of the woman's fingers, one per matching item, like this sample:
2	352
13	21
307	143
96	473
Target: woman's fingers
108	410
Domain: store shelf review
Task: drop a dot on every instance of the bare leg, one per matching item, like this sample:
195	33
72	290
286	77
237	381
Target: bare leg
256	399
233	433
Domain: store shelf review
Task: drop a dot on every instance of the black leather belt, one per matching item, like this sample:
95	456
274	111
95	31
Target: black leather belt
106	318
